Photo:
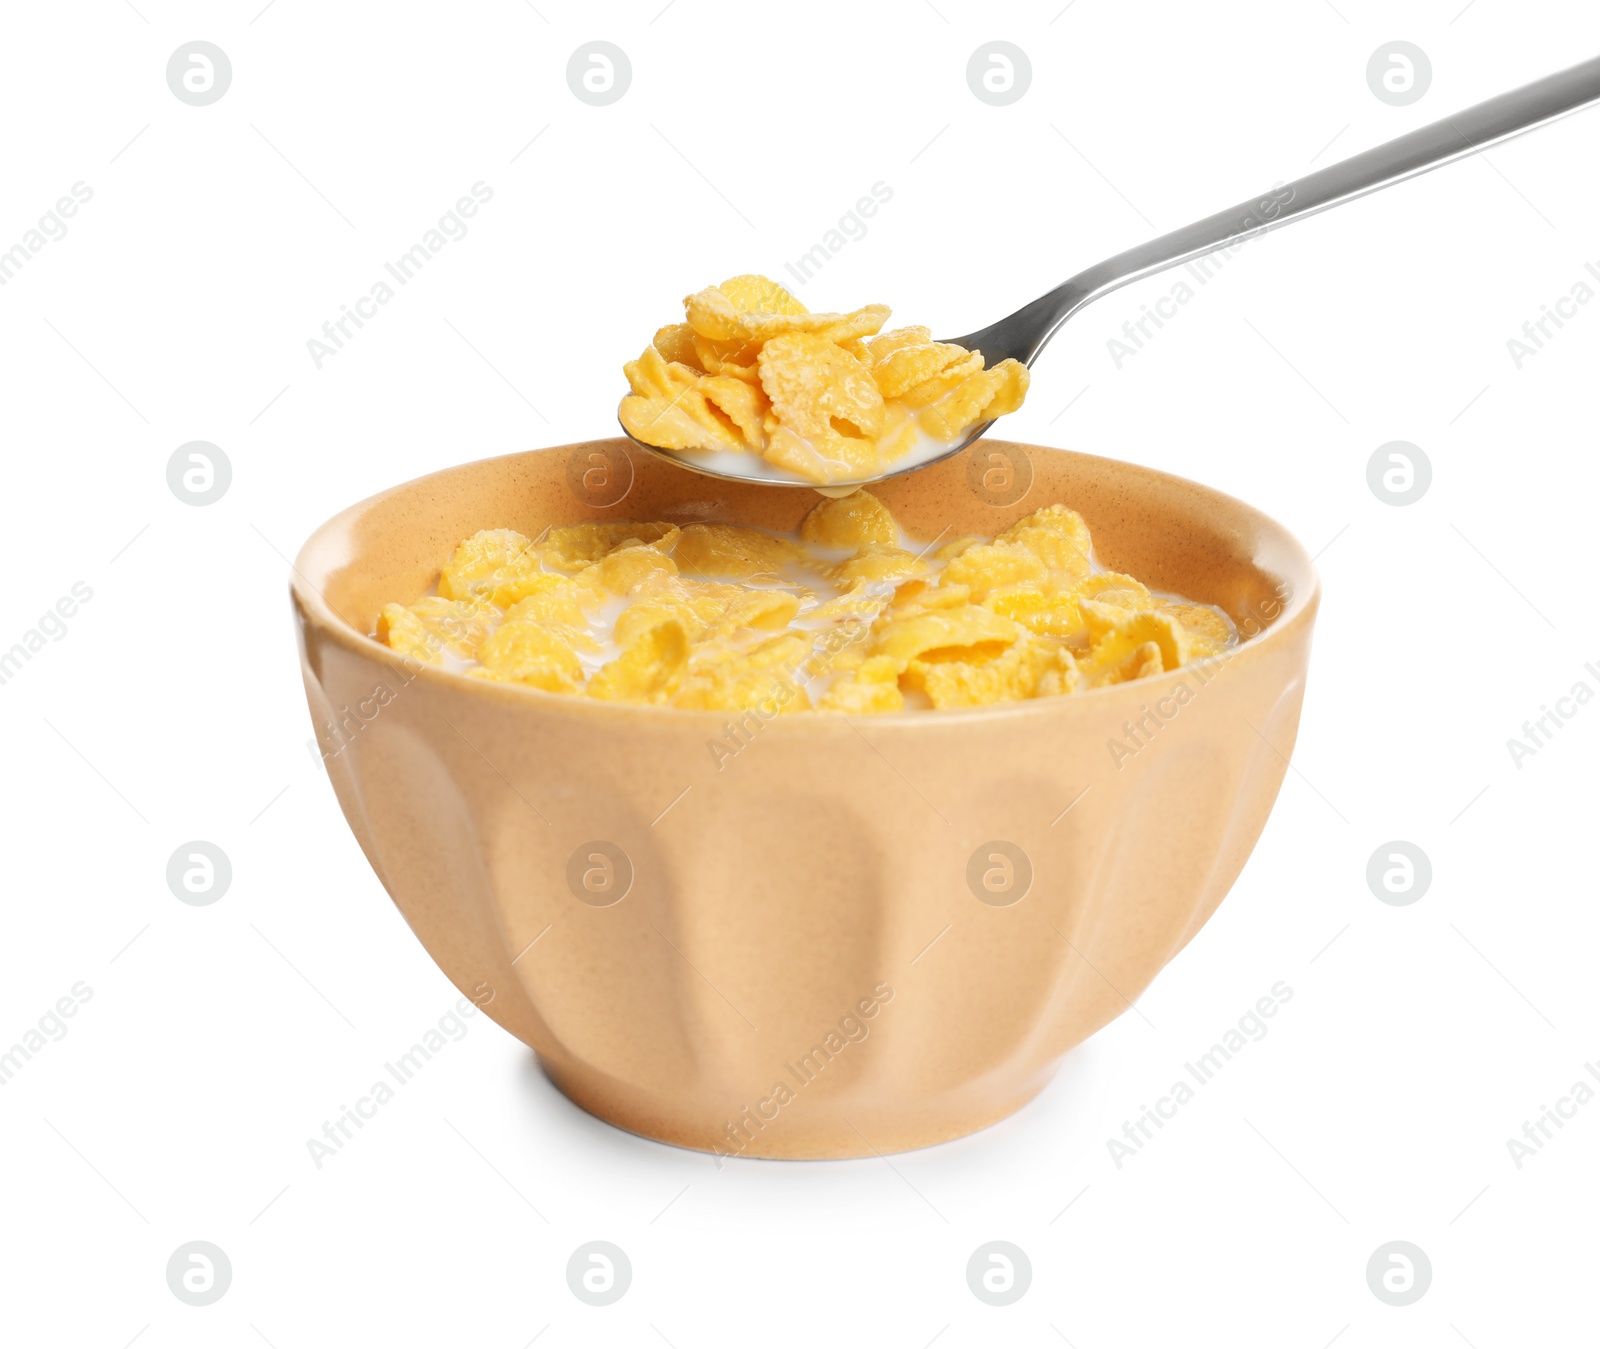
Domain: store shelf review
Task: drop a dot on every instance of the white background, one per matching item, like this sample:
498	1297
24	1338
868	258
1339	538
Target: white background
218	1039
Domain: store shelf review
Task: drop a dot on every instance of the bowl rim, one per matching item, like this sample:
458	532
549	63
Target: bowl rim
314	607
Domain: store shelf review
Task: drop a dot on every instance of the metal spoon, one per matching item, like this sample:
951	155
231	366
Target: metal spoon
1023	335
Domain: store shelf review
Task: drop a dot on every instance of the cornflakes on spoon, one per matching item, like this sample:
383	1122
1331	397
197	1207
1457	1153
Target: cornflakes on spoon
825	398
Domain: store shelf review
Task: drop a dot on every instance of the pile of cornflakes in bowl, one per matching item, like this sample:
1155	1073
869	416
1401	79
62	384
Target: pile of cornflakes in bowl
829	398
847	614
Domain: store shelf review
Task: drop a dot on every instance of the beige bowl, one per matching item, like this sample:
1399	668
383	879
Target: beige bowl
850	935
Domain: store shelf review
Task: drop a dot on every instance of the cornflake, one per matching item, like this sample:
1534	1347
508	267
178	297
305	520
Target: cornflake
847	615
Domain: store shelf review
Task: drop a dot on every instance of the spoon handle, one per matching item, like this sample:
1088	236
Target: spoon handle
1025	333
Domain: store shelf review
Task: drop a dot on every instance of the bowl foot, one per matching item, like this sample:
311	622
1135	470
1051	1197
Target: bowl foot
797	1124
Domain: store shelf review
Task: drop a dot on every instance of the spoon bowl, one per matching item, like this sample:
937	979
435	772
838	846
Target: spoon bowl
730	466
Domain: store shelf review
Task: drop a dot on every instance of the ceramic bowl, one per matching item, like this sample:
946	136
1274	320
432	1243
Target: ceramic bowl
849	935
